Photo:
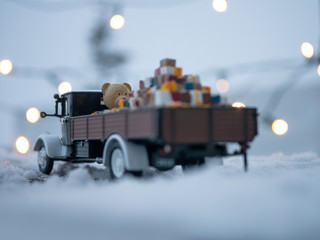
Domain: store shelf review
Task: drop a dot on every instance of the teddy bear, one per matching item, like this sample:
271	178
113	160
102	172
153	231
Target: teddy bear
112	93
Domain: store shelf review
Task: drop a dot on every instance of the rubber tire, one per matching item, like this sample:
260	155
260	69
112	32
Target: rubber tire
189	167
111	148
48	164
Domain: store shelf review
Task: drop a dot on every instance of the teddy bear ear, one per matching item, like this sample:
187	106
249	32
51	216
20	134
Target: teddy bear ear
104	87
128	86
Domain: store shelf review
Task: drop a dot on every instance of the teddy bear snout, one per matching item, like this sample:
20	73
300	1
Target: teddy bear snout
121	97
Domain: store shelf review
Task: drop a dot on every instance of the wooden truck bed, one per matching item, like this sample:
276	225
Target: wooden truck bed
170	125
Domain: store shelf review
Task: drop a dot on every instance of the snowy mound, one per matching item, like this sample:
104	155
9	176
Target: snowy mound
277	199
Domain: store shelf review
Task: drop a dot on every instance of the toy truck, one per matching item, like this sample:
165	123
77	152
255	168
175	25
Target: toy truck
133	141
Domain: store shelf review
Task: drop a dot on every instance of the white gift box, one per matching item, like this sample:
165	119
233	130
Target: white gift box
196	97
162	98
167	70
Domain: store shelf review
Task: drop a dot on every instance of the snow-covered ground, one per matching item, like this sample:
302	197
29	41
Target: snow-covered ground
278	198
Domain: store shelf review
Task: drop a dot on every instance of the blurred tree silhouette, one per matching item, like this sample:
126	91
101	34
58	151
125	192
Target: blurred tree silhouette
106	59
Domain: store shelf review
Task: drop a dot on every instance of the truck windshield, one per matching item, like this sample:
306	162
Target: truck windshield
85	103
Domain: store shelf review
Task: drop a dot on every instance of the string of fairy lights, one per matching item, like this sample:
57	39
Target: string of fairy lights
278	125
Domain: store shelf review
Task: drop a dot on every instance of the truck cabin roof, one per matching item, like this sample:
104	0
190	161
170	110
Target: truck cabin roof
80	103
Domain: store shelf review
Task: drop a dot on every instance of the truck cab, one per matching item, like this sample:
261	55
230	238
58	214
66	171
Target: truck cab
78	103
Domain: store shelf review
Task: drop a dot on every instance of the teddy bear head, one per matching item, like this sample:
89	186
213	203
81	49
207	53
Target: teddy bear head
112	93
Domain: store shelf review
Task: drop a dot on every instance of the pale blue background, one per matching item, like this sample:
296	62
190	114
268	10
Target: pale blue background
201	40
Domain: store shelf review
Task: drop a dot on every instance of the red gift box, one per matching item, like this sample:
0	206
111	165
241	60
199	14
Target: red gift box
176	96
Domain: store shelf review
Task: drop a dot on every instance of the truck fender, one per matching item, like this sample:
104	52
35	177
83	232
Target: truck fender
53	146
135	155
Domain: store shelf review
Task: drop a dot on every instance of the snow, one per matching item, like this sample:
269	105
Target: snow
277	199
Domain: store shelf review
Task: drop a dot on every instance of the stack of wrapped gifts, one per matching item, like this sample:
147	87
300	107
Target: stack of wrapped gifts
170	88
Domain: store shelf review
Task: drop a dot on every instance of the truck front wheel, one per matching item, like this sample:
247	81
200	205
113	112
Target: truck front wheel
44	162
115	160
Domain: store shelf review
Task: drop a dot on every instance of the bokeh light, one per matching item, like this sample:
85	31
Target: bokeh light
64	87
279	127
220	5
222	86
6	66
238	105
319	69
307	50
22	145
117	21
33	115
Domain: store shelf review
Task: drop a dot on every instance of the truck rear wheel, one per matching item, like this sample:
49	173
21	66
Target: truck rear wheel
193	164
44	162
115	160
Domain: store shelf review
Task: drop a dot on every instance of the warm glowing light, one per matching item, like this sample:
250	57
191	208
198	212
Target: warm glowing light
64	87
33	115
220	5
22	145
319	69
238	105
222	85
116	22
307	50
279	127
5	67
